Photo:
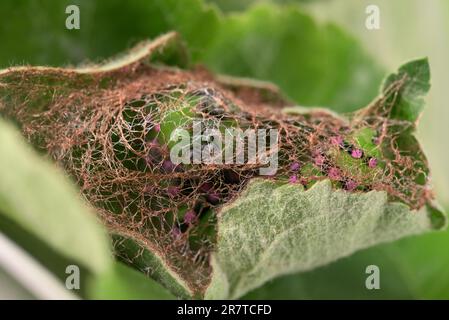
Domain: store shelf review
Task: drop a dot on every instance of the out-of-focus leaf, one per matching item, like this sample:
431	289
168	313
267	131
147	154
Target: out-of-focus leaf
152	264
314	64
10	289
239	5
34	277
29	28
124	283
37	197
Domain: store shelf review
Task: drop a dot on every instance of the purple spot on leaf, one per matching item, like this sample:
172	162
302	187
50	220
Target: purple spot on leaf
337	141
295	166
206	186
293	179
356	153
153	143
189	217
350	185
213	198
319	160
372	162
168	166
176	233
334	174
172	191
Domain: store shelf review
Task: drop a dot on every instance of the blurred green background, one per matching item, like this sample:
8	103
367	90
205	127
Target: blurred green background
318	52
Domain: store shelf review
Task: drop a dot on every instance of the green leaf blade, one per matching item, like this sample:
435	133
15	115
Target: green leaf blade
272	230
414	82
314	64
124	283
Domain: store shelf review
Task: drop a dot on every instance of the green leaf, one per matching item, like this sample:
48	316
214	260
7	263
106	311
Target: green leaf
272	230
14	95
124	283
292	50
391	45
414	267
314	64
253	246
106	28
413	79
128	249
239	5
41	200
411	268
167	47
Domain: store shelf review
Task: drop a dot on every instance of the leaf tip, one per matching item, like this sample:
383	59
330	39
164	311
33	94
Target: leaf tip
406	88
437	216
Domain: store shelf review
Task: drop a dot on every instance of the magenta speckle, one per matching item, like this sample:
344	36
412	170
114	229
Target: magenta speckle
334	174
168	166
295	166
350	185
206	186
293	179
372	163
356	153
176	233
153	143
157	127
319	160
337	140
189	217
172	191
213	198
